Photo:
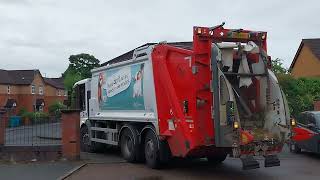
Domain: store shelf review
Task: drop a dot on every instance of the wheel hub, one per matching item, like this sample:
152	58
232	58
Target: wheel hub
149	149
128	145
85	139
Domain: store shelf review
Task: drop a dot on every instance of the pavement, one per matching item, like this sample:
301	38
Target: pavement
54	169
36	170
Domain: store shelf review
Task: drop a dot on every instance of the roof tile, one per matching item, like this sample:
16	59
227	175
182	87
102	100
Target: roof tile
314	45
55	82
17	77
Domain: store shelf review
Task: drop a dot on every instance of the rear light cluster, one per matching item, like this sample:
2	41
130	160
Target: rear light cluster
293	122
236	125
231	115
231	33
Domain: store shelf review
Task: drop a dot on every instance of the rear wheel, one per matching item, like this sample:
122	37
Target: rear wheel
129	145
295	148
151	150
217	159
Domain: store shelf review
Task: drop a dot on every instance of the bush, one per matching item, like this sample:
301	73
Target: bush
34	117
38	117
22	111
56	107
301	92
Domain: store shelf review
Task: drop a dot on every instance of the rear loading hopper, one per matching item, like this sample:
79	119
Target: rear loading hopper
220	97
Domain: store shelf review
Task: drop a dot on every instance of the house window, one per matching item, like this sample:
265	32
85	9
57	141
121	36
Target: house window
40	108
33	89
40	90
59	92
65	93
8	90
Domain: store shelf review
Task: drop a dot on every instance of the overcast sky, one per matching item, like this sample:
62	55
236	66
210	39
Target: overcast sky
42	34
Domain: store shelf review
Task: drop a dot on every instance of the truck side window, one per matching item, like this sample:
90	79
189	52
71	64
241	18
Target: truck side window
224	93
80	100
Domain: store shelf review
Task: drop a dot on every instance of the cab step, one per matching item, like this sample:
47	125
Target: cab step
249	163
271	160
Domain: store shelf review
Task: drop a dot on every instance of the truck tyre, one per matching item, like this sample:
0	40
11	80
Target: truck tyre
85	139
151	150
129	145
295	148
217	159
86	145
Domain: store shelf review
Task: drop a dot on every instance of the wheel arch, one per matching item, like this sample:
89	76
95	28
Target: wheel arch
83	125
131	127
144	131
85	122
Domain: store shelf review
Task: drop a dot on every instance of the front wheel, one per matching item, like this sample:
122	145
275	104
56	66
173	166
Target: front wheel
85	144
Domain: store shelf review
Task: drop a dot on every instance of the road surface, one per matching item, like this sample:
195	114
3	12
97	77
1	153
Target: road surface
303	166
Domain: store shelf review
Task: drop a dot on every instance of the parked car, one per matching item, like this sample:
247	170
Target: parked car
306	135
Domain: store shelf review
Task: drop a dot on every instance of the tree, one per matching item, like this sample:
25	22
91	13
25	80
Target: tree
83	63
277	66
300	92
79	68
70	78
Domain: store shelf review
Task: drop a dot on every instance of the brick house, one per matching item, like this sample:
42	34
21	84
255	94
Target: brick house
306	62
30	90
54	91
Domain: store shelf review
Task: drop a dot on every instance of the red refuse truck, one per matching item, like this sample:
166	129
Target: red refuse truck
209	98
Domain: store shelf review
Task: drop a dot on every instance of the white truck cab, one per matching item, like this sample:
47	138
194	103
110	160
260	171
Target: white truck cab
83	91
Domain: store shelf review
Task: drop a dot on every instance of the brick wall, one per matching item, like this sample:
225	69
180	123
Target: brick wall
71	134
317	105
307	64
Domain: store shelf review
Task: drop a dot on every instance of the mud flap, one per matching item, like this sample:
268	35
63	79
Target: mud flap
271	160
249	163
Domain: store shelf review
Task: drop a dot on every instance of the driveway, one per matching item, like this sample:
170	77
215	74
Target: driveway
39	134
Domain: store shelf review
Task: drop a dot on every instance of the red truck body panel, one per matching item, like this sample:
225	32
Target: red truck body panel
176	83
